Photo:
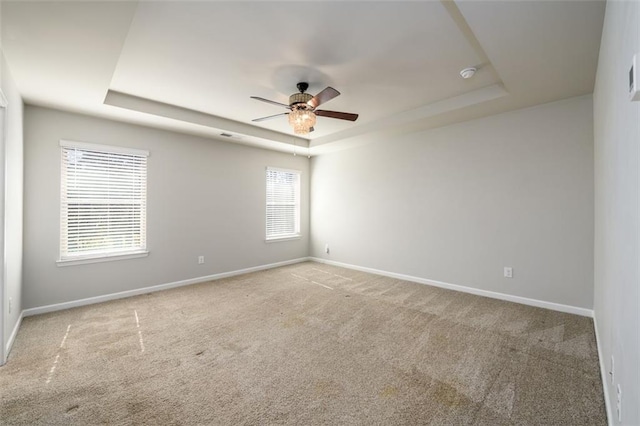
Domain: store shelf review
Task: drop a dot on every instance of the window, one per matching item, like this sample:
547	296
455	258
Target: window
283	204
103	205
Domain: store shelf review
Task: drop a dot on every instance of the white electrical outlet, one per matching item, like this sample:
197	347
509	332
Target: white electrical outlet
508	272
619	402
326	248
200	260
612	372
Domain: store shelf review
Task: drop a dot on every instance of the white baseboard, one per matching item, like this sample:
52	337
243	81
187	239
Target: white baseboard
160	287
486	293
603	374
13	335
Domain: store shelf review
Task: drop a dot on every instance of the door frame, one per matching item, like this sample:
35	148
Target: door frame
3	224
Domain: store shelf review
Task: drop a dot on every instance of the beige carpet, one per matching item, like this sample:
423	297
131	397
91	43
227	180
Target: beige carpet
304	344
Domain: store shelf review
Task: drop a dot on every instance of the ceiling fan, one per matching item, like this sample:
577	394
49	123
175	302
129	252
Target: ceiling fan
302	107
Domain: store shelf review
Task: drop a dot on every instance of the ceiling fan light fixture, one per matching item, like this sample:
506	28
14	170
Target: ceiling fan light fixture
302	121
302	105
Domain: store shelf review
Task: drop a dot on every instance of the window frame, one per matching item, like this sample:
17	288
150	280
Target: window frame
65	259
297	204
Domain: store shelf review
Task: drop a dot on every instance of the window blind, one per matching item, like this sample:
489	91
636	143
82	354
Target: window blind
103	201
283	203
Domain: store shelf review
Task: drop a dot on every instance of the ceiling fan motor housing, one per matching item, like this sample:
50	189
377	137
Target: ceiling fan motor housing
299	98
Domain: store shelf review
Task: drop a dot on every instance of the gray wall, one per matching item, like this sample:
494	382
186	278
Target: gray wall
458	203
13	189
205	197
617	202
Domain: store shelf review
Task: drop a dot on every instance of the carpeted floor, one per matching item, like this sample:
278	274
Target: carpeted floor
304	344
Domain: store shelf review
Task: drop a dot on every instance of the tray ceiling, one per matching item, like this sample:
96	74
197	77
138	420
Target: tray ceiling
191	66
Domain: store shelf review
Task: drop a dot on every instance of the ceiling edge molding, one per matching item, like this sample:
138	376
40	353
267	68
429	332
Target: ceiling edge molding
161	109
462	24
474	97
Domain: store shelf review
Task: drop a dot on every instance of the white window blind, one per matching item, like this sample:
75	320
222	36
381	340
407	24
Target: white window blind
103	204
283	203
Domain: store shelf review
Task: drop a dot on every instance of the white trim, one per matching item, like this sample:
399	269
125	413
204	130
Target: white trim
101	258
486	293
12	337
106	148
603	374
286	238
3	227
278	169
113	296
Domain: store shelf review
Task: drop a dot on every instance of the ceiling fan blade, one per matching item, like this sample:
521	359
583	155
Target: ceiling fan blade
270	102
322	97
270	117
336	114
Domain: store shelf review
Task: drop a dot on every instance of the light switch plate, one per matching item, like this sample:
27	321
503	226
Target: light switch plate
634	83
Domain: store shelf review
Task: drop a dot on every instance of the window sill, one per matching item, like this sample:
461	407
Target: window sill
102	258
286	238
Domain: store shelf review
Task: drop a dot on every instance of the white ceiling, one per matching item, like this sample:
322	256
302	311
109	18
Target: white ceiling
192	66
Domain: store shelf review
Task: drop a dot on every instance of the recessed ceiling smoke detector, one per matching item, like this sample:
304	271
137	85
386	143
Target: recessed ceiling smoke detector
467	72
